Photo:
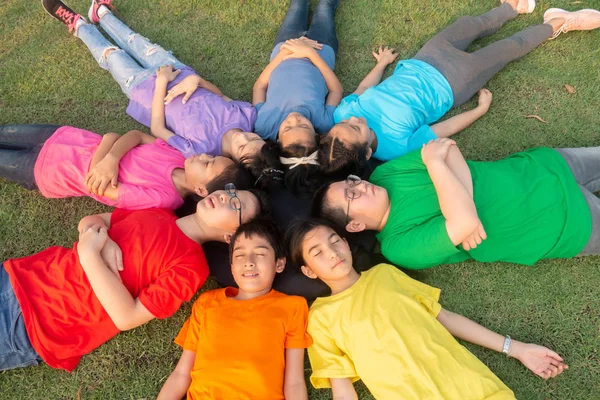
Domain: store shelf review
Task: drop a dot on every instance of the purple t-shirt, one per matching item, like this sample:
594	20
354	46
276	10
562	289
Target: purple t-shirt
198	125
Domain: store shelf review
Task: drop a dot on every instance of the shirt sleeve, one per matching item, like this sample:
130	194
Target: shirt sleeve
296	336
423	246
185	146
326	358
343	110
259	106
133	197
420	137
190	331
118	214
175	285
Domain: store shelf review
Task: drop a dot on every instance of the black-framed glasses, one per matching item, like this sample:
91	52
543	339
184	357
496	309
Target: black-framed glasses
351	183
234	201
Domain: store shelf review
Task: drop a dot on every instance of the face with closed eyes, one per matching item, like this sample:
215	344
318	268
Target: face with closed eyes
217	212
253	263
326	255
352	131
296	129
203	168
245	145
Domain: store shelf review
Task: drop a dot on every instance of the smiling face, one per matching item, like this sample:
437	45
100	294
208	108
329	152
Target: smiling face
215	210
202	168
369	204
296	129
326	255
352	131
245	145
254	264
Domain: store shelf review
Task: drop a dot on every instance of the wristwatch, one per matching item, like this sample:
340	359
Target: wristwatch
506	347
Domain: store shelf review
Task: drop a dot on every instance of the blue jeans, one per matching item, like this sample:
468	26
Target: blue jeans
136	58
15	349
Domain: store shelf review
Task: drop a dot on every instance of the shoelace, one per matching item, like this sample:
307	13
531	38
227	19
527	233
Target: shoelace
562	29
68	17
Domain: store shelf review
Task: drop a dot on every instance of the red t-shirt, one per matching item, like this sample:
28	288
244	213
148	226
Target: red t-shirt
63	317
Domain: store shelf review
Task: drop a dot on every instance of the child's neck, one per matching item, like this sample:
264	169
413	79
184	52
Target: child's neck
344	283
181	185
384	219
242	295
226	143
374	142
197	230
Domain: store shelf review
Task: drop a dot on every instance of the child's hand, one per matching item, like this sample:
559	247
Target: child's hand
166	72
540	360
105	172
91	240
475	239
113	257
436	150
385	55
300	48
187	87
485	100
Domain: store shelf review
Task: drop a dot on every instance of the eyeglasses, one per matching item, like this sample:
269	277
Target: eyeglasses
234	201
351	193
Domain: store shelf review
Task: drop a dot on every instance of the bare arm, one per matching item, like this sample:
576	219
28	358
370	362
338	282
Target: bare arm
157	123
294	387
334	86
459	122
108	140
384	56
343	389
97	219
177	384
456	203
457	164
540	360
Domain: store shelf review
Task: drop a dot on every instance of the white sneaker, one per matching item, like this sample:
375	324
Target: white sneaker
524	6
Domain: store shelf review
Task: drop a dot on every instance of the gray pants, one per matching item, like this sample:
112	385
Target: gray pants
469	72
585	165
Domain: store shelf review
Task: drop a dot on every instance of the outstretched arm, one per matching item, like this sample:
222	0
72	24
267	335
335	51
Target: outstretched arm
343	389
177	384
459	122
540	360
294	387
384	56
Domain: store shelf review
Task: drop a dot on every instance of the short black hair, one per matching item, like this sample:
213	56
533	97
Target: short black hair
264	228
236	174
322	209
339	161
265	167
296	233
264	204
301	180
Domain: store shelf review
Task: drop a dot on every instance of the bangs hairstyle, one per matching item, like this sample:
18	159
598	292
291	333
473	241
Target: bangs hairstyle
236	174
339	161
297	231
304	179
263	228
265	167
322	209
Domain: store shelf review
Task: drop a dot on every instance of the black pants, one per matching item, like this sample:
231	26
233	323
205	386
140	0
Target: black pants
468	72
322	26
20	146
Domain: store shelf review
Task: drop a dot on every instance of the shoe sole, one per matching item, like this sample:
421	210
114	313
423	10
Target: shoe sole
47	12
530	6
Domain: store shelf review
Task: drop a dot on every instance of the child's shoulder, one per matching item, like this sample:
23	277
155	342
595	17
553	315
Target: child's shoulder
288	300
209	298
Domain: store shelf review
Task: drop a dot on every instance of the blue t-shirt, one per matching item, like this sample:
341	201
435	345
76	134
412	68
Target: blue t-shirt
296	85
400	109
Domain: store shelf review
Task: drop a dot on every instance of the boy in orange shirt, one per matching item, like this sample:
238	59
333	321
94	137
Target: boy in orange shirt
245	343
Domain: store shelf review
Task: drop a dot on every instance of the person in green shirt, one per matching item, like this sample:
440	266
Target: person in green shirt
432	207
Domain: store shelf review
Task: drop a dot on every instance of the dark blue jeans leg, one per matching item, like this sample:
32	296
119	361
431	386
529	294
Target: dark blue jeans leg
295	22
20	146
322	25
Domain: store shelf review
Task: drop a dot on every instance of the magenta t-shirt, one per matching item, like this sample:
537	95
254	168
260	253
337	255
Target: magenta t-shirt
145	172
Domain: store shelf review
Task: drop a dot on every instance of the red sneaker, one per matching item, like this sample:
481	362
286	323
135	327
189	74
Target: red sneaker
61	12
96	4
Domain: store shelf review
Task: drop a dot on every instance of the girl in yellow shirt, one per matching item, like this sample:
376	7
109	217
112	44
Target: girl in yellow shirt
389	330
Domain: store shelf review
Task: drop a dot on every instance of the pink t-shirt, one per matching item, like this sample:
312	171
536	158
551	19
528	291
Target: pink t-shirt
145	173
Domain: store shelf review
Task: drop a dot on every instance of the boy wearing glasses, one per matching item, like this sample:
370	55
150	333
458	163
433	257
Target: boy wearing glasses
245	343
128	268
431	207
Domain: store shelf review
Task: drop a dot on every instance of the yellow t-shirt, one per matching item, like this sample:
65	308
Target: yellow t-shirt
384	331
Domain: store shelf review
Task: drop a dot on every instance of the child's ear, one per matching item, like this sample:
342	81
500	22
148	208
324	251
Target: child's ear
355	226
201	191
369	153
308	272
280	265
227	238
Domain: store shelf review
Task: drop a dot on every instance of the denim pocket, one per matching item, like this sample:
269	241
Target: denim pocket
18	339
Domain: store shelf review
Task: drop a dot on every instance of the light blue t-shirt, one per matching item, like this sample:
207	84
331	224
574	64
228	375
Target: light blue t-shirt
400	109
296	85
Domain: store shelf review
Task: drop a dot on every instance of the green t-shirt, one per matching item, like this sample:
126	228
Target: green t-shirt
529	204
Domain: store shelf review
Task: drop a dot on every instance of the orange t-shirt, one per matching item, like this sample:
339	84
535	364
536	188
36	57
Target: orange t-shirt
63	317
240	344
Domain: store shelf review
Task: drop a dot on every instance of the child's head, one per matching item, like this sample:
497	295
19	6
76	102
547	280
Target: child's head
265	167
353	203
347	148
208	173
256	255
245	145
223	211
319	249
296	129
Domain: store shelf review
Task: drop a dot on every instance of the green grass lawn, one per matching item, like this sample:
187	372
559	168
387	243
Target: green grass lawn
47	76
